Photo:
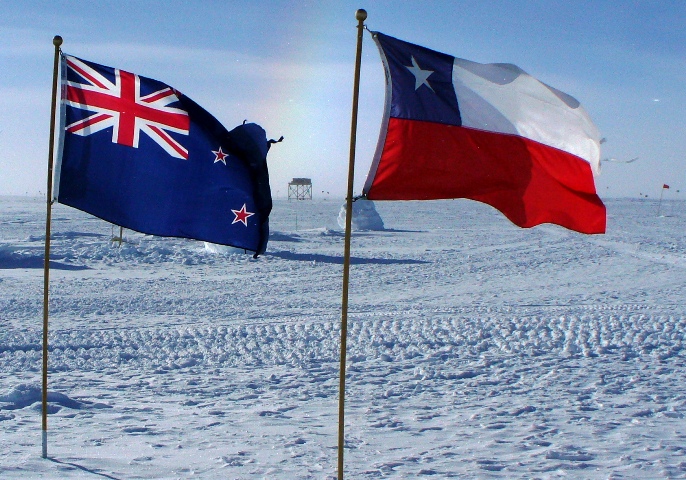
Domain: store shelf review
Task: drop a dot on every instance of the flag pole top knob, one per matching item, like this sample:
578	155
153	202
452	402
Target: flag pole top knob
361	15
57	41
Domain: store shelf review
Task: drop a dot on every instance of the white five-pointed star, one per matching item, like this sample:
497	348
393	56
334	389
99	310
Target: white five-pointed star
420	76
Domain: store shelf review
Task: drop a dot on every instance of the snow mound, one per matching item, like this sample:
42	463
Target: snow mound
222	249
24	395
365	216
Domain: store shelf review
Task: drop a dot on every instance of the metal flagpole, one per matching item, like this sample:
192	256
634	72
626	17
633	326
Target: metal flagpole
57	42
361	16
659	204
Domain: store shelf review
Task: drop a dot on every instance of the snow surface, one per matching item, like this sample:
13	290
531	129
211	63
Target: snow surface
476	349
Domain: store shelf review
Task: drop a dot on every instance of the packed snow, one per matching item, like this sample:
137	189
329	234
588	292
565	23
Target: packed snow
475	350
365	216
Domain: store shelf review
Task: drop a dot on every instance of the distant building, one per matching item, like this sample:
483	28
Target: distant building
300	189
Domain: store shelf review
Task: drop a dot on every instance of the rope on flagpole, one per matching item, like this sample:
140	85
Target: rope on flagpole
361	16
57	42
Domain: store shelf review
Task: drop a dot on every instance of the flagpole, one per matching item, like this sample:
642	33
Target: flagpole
361	16
659	204
57	42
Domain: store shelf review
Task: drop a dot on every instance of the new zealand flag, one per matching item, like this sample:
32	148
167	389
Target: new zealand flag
138	153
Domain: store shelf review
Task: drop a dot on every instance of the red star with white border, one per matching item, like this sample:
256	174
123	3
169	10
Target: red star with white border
220	156
242	215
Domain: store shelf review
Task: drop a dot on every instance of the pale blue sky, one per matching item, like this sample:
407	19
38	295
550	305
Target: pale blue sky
288	65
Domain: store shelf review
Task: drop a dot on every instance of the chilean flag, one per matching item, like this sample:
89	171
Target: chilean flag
453	128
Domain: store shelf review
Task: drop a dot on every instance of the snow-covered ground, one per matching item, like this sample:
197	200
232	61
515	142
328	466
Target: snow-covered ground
476	349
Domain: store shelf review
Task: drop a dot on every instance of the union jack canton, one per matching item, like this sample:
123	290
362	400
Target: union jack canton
121	105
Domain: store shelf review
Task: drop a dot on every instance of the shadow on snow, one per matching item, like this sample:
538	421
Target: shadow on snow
80	467
10	261
316	257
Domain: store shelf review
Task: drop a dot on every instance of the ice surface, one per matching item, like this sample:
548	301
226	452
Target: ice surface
475	349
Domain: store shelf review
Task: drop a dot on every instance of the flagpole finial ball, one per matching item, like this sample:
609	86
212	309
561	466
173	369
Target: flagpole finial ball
57	41
361	15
